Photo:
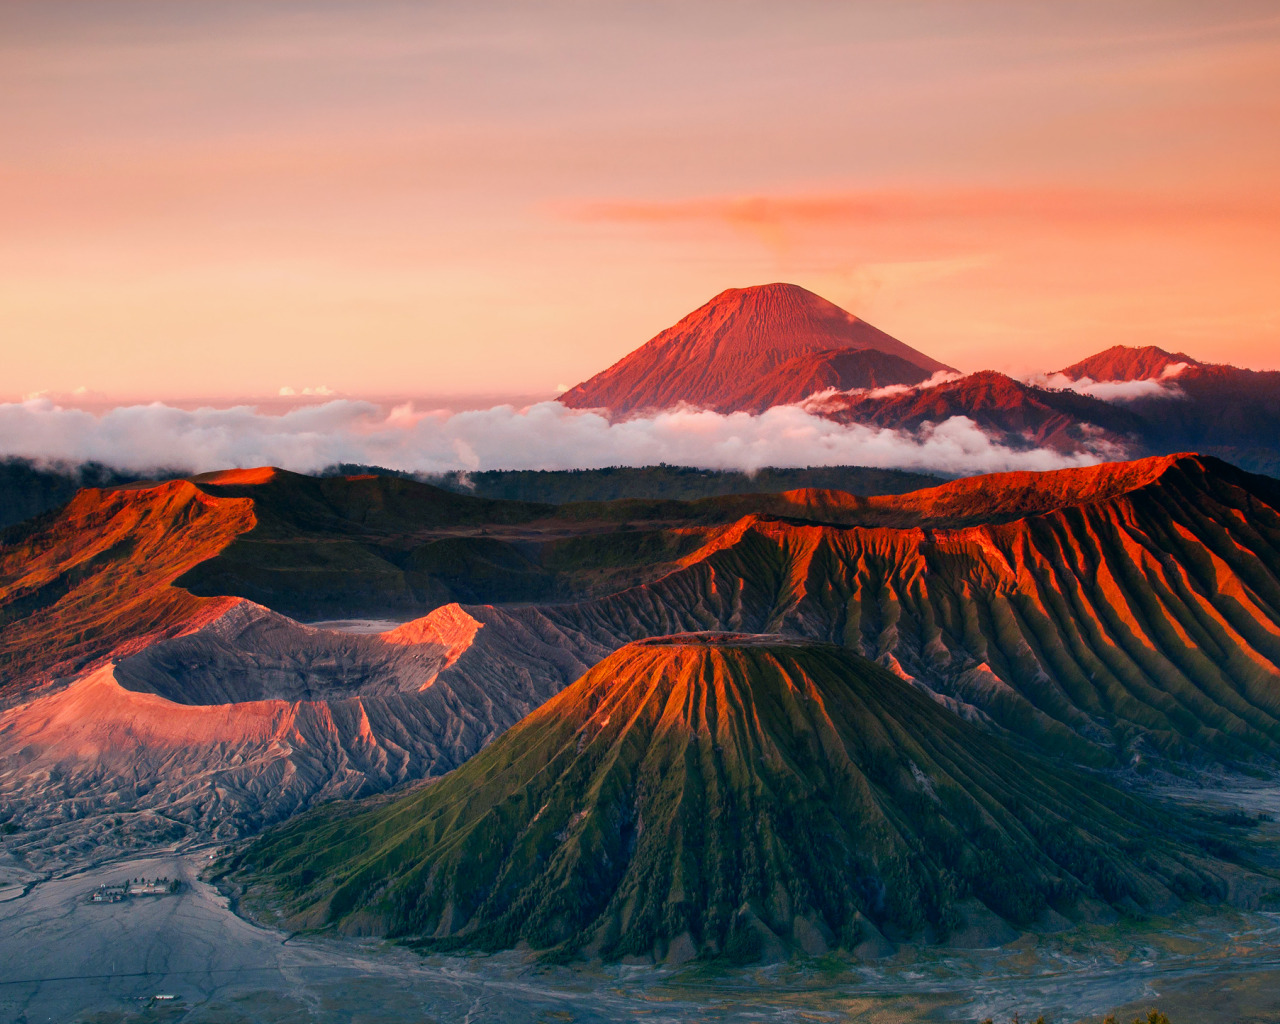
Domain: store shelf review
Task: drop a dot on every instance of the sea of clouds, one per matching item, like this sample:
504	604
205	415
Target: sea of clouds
547	435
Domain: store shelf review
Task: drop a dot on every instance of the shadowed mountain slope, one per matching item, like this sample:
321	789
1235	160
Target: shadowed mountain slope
29	487
362	546
716	793
116	569
254	717
1215	409
716	356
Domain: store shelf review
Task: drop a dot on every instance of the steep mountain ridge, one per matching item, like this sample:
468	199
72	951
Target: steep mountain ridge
95	578
714	357
1144	620
1107	614
1018	414
714	793
988	499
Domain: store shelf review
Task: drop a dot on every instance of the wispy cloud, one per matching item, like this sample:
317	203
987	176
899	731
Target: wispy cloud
821	400
543	436
1072	206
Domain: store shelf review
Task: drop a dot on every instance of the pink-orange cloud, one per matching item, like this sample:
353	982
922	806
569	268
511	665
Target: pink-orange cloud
1058	206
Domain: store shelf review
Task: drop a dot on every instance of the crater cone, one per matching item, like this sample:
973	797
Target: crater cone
736	795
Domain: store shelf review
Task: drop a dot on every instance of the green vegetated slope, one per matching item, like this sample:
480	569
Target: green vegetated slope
675	483
722	794
28	488
333	547
1133	609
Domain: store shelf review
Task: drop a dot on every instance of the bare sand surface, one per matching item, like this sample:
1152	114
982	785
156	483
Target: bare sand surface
356	625
65	959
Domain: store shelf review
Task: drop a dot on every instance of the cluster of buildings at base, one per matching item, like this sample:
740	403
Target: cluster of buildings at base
135	887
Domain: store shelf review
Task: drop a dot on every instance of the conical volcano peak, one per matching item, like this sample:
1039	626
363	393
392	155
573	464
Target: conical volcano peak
769	305
718	355
731	793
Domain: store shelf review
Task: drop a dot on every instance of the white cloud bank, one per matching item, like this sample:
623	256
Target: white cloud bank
142	438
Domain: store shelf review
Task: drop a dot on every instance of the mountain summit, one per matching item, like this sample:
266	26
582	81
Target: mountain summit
1123	362
717	356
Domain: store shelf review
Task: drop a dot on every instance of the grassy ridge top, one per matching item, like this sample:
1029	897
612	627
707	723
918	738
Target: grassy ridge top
726	796
674	483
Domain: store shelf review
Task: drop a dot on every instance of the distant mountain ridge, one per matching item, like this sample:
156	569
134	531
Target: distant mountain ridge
29	489
1020	415
1121	362
1218	409
752	349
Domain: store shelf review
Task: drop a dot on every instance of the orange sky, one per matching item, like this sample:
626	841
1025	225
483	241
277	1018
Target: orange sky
221	200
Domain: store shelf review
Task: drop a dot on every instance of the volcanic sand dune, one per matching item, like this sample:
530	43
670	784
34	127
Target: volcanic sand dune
725	794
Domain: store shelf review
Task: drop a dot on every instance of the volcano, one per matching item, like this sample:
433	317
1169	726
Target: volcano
1111	615
733	794
717	356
